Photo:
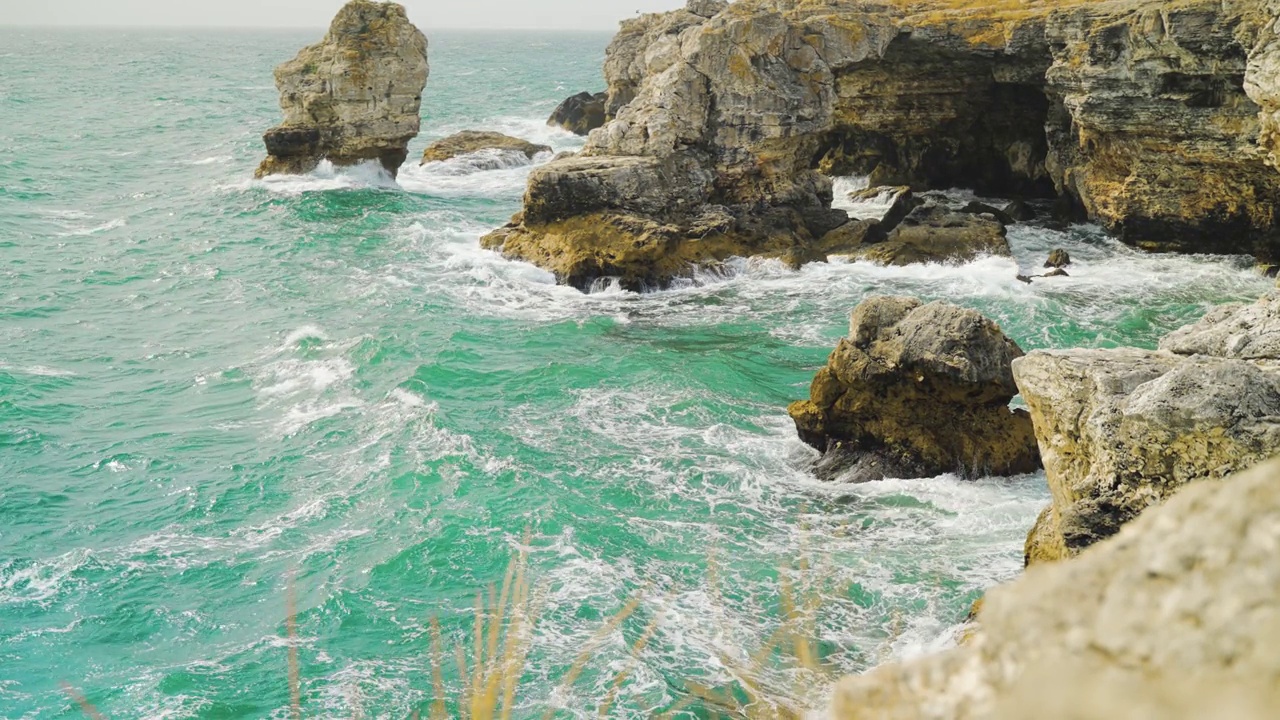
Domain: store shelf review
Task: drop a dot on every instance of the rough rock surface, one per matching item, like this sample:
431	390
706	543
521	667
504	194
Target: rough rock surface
937	234
916	391
1121	430
472	141
1176	618
352	97
581	113
1140	114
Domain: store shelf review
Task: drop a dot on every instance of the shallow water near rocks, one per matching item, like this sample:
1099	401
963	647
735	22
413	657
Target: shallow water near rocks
209	384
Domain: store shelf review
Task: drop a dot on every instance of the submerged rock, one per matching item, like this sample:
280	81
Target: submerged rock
1131	113
471	141
352	97
1058	258
1121	430
581	113
917	391
937	234
1176	618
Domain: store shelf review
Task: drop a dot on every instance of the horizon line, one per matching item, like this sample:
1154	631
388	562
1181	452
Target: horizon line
123	26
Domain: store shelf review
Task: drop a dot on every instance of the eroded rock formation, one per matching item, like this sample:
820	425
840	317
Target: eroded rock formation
917	390
1177	618
1121	430
352	97
473	141
1142	115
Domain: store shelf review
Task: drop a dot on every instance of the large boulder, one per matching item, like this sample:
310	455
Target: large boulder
1123	429
474	141
352	97
1177	618
917	390
581	113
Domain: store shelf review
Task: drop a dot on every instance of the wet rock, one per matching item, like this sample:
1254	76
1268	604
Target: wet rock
916	391
352	97
1020	211
976	208
1057	272
581	113
900	199
1058	259
936	234
1123	429
472	141
1176	618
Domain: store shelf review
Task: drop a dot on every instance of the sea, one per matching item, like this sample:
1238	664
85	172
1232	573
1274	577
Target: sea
242	419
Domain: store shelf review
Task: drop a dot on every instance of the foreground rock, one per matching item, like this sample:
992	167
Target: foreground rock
1122	430
1139	115
473	141
352	97
917	391
1175	618
581	113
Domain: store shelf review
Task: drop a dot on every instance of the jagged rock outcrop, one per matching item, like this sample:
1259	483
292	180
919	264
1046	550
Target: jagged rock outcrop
917	390
581	113
1139	114
352	97
1121	430
1176	618
473	141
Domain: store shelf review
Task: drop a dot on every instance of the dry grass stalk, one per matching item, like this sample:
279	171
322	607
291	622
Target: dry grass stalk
291	633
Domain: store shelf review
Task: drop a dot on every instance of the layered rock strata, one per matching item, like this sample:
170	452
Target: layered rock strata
917	390
1152	118
473	141
354	96
1177	617
1121	430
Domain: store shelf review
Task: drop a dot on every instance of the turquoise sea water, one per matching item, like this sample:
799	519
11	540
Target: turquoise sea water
210	384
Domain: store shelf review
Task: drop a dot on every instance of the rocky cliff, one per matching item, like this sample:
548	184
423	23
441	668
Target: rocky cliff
917	390
1121	430
352	97
1177	617
1156	119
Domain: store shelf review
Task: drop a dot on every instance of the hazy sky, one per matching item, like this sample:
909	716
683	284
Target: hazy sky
426	14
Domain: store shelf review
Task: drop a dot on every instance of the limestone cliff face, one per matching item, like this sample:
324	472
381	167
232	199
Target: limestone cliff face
1177	618
354	96
1156	119
1122	430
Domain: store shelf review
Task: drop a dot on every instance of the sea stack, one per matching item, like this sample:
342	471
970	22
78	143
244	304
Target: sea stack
352	97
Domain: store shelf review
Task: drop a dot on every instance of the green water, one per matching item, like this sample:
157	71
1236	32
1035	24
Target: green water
208	384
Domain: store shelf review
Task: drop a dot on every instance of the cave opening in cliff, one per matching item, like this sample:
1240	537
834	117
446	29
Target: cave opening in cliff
935	121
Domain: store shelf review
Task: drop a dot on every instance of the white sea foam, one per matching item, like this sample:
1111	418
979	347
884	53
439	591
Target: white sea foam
326	177
95	229
213	160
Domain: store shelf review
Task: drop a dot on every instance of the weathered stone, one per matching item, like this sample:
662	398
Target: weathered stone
352	97
1121	430
473	141
917	391
1058	258
1129	112
934	233
1176	618
581	113
977	208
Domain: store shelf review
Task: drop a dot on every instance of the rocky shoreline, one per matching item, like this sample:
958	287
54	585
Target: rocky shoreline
726	122
718	137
